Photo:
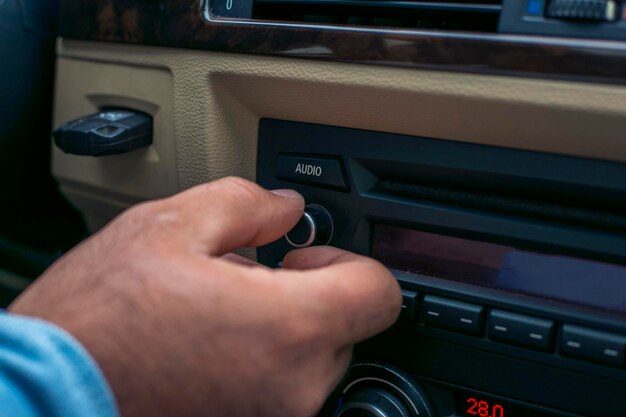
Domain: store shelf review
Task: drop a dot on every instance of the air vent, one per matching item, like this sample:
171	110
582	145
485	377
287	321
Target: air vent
465	15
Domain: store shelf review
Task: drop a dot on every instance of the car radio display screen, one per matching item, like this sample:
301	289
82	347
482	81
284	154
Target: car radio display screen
583	282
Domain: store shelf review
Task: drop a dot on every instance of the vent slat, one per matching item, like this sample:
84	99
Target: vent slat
446	15
443	6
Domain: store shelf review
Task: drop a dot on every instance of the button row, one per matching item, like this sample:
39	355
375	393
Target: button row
515	329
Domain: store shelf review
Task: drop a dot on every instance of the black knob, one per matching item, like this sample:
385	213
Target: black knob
314	228
379	390
373	402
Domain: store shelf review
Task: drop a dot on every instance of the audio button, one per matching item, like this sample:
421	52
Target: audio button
325	172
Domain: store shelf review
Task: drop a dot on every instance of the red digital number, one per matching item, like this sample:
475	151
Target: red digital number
473	405
482	409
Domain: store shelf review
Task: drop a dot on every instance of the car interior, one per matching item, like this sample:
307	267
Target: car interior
477	148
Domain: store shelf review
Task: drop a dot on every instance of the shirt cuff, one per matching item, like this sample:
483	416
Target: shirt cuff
44	371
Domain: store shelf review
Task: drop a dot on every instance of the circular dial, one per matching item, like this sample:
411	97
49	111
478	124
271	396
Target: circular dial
314	228
373	402
378	390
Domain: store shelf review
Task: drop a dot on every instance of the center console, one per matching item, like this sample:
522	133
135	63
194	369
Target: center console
511	263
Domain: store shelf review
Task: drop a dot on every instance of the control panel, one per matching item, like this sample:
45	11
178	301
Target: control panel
511	263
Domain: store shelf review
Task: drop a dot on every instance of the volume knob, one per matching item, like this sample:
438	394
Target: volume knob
314	228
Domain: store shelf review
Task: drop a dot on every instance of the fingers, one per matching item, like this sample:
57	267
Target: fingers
353	296
231	213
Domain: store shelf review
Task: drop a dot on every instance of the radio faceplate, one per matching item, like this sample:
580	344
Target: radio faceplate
557	355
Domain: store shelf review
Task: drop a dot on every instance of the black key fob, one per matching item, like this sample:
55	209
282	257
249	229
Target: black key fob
109	132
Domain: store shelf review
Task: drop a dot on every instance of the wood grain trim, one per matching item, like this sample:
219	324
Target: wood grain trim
183	24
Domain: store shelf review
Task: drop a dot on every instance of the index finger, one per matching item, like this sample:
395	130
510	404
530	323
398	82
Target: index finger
353	296
231	213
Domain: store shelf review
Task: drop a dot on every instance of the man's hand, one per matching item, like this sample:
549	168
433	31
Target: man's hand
179	329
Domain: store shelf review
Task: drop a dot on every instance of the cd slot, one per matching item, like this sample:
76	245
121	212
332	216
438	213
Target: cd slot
536	192
505	204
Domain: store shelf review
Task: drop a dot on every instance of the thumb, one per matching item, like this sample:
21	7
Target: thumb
356	297
232	213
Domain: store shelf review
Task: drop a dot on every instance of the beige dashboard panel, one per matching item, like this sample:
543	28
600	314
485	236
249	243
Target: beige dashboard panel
207	106
104	186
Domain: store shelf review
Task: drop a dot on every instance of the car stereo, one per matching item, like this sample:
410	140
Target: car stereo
512	265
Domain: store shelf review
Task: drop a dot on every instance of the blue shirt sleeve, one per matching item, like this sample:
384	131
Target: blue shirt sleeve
45	372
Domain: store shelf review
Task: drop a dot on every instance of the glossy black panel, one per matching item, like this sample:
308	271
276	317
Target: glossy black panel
182	23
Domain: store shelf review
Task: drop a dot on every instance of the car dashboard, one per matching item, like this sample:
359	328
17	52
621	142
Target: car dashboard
477	148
